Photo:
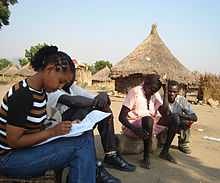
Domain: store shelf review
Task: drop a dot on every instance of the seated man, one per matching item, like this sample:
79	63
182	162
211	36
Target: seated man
180	118
74	102
139	112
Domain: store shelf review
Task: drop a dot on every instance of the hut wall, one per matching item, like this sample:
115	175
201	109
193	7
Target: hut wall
105	85
83	77
124	84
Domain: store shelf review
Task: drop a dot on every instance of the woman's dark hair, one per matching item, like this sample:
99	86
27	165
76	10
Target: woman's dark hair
152	80
50	55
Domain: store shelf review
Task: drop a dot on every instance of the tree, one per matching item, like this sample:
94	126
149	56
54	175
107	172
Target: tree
30	53
102	64
23	61
5	12
91	68
4	63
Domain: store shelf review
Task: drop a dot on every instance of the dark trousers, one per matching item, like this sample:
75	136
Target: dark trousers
174	124
105	127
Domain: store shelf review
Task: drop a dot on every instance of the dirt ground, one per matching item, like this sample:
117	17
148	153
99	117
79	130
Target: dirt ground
202	166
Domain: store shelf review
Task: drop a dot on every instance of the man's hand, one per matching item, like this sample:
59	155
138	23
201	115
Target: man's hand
164	82
102	100
140	132
165	85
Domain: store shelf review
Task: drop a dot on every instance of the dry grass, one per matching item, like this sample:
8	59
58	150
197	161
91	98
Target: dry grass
10	79
210	85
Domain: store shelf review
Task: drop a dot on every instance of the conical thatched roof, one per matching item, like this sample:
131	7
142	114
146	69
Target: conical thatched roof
26	71
102	75
4	69
10	71
152	56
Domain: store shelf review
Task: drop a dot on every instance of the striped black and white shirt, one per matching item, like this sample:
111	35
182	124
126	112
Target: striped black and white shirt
24	107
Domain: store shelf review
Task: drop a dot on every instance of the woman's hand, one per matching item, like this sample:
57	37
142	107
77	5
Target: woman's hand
61	128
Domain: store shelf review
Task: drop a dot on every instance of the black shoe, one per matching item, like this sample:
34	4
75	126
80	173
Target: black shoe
103	176
168	157
117	162
145	163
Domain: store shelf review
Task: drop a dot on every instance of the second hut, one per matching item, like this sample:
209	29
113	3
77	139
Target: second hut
102	80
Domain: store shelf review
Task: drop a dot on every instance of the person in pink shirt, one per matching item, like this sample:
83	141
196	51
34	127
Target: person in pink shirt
141	111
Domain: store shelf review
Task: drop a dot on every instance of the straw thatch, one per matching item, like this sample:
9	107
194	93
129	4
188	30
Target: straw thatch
9	71
102	75
210	87
152	56
26	71
2	71
102	81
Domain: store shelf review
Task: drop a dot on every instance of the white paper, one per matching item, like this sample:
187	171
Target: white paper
86	124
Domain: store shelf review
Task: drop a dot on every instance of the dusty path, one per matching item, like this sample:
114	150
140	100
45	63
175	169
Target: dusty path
202	166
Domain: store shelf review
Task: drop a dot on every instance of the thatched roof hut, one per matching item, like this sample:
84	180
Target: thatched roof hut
102	75
151	56
83	74
26	71
4	69
102	80
9	71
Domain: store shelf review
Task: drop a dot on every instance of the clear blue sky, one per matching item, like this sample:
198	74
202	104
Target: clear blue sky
91	30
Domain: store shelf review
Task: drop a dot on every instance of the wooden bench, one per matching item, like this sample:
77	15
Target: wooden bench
49	177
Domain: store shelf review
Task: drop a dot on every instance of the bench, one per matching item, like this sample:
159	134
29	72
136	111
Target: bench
49	177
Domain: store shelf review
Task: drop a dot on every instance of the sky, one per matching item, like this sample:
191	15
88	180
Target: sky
91	30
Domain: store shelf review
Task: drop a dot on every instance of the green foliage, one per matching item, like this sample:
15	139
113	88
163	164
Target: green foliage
98	65
30	53
5	12
4	63
102	64
23	61
91	68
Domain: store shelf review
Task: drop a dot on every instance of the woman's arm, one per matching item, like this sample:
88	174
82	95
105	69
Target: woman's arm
16	137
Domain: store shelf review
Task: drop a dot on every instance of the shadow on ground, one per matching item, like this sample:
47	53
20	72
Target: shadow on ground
188	170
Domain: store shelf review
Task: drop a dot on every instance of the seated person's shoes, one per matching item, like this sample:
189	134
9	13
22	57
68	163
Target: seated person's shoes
145	163
185	149
103	176
168	157
117	162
